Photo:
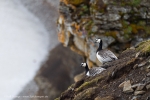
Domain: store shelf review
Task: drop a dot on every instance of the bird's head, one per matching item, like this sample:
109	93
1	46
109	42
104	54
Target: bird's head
98	40
83	64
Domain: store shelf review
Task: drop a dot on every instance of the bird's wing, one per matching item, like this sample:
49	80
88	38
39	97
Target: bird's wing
107	54
95	70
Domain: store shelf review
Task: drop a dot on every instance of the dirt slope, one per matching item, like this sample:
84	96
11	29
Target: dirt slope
133	66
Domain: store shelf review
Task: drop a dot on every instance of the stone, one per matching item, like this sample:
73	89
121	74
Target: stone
79	77
137	54
135	66
148	98
148	74
148	67
126	16
148	86
135	86
122	84
139	92
80	44
127	87
142	64
138	86
94	28
135	98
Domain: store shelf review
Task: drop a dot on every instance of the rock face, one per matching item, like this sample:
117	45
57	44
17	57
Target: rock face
57	72
120	24
120	81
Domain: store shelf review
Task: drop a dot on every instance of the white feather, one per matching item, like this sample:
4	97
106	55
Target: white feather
88	74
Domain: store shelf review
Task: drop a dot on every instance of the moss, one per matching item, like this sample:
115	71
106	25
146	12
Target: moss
147	29
142	23
98	6
86	94
131	29
144	48
85	8
128	30
136	28
112	33
87	84
75	2
135	2
57	99
131	3
71	86
124	24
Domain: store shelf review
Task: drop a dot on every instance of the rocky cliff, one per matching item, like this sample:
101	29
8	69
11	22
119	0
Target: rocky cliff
127	78
120	24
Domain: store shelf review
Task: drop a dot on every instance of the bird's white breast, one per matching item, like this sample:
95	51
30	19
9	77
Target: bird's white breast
88	74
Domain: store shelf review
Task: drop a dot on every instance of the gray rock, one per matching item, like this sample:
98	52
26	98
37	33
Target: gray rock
135	86
126	16
139	92
140	87
115	8
142	64
148	86
137	54
135	98
80	43
127	87
135	66
94	28
148	74
122	84
109	17
148	67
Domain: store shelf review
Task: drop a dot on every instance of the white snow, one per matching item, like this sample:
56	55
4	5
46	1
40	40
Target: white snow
24	45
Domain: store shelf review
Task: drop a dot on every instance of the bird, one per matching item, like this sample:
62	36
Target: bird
93	71
104	55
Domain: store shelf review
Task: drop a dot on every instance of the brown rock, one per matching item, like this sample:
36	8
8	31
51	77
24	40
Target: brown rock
140	86
127	87
90	63
75	49
61	37
139	92
135	66
122	84
79	77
